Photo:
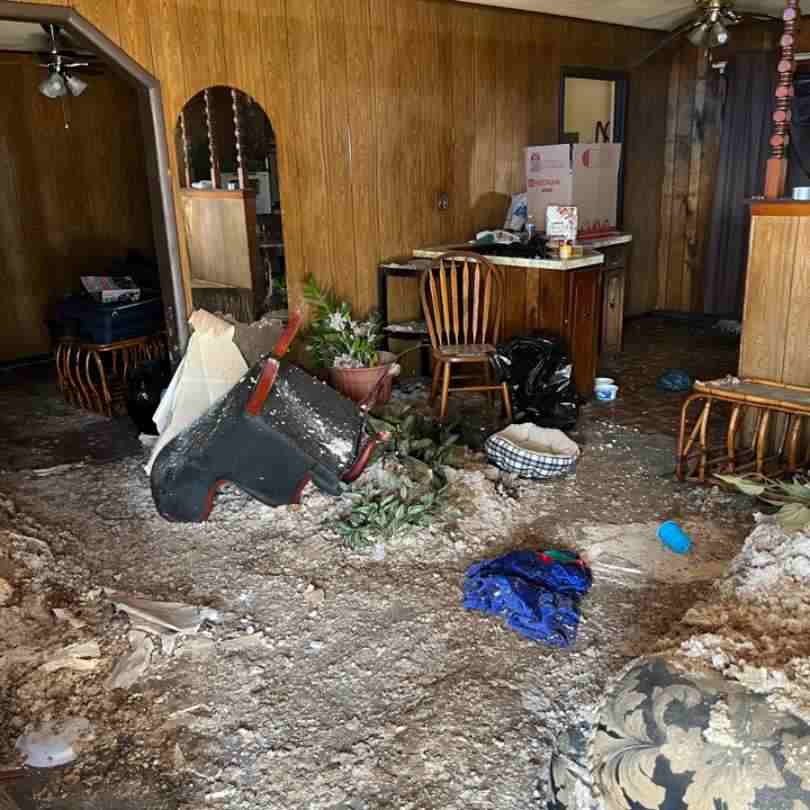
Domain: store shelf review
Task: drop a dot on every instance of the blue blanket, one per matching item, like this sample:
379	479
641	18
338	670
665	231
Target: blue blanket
538	593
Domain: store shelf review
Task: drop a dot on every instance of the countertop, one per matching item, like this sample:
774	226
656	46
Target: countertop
590	258
607	241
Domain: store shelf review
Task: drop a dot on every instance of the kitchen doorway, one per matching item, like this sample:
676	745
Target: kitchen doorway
593	109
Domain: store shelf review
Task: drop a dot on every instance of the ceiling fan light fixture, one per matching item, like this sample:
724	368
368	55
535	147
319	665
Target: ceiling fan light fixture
54	86
699	36
75	85
719	35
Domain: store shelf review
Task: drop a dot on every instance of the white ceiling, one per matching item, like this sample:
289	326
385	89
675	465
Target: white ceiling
26	37
661	14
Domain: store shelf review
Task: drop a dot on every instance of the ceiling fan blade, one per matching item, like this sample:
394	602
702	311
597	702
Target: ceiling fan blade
757	17
91	70
668	40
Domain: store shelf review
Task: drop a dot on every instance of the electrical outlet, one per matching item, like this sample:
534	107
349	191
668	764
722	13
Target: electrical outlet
443	201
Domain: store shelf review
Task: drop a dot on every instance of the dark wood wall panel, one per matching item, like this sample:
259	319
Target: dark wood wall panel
70	199
692	142
379	105
644	162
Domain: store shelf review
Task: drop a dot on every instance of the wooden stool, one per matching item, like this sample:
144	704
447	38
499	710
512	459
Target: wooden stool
93	375
762	401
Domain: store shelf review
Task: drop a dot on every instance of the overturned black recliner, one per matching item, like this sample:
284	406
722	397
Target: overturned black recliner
275	431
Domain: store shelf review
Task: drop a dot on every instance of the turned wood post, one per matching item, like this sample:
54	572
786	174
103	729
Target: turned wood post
212	141
186	150
776	172
241	173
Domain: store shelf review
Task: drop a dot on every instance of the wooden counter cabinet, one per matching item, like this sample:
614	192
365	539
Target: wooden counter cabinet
613	282
560	302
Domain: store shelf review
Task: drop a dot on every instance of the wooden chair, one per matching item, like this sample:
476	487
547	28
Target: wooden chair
462	299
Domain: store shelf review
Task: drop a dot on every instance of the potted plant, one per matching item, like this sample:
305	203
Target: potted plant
347	348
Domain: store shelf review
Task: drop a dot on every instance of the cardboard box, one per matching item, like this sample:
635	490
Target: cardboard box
584	174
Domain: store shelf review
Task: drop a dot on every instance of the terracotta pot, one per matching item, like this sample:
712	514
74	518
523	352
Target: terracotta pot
358	383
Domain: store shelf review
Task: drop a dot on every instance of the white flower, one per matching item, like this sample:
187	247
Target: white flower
337	321
346	361
362	329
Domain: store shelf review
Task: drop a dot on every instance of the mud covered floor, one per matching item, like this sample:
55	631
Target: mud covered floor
338	680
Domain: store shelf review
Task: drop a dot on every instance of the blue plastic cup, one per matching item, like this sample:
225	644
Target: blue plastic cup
674	537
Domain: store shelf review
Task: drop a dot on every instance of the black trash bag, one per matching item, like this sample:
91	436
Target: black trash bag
540	375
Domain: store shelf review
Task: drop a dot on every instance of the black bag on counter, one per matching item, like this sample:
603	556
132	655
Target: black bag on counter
540	375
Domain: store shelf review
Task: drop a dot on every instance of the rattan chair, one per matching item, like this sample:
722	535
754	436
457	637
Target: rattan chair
462	299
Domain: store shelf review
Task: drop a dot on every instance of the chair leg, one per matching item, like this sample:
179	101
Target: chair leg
434	388
490	380
507	401
445	390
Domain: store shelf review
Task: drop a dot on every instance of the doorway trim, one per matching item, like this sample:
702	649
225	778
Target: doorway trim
161	195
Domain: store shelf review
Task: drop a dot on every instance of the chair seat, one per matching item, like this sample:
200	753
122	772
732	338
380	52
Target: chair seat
465	352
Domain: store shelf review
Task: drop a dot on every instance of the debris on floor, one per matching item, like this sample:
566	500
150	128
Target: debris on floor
131	666
537	593
58	469
54	742
231	718
162	617
631	555
84	656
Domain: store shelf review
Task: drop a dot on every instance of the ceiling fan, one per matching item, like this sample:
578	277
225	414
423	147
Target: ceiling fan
62	65
707	25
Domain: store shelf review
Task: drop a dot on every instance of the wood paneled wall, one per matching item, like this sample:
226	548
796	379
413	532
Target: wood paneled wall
776	329
378	105
70	199
692	144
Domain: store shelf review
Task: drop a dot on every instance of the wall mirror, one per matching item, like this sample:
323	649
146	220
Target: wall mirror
593	109
231	204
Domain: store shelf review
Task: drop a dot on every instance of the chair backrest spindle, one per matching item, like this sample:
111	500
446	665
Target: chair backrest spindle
465	301
462	300
454	300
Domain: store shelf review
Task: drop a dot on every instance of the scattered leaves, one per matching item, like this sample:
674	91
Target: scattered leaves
420	437
378	514
793	497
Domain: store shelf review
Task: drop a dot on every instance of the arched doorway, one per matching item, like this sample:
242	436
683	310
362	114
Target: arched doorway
230	204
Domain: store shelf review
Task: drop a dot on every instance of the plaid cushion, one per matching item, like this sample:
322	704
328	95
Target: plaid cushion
526	463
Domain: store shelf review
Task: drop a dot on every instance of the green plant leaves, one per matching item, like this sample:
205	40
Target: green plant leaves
793	517
792	496
423	447
743	484
378	515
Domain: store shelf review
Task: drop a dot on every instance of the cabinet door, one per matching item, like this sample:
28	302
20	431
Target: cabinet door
583	326
612	311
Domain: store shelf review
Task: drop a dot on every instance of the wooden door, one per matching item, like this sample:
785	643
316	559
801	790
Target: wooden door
583	326
612	311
